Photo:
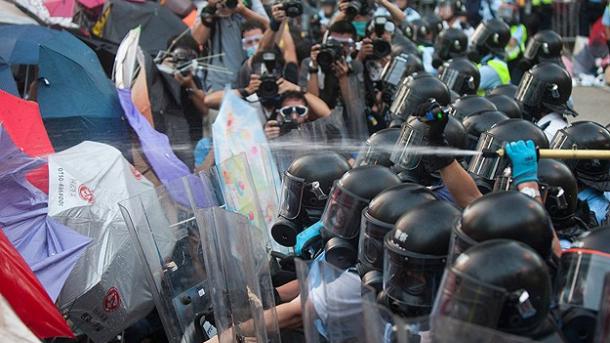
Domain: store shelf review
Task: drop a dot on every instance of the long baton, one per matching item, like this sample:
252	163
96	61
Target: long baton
561	154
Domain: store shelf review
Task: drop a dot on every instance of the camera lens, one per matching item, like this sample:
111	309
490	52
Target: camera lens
268	87
231	3
381	48
326	59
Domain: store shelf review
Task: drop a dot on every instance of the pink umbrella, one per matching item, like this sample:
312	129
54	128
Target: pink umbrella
91	3
60	8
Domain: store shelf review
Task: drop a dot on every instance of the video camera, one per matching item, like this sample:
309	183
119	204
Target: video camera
210	11
293	8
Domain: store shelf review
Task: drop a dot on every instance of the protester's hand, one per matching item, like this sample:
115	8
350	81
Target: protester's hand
185	81
255	83
278	13
341	69
272	129
240	8
313	55
524	160
287	86
431	113
366	49
343	4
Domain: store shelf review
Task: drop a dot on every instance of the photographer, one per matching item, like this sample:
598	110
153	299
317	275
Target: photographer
219	28
336	77
375	54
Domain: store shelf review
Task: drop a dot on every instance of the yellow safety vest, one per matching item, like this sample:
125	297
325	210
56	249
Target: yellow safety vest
501	68
513	53
541	2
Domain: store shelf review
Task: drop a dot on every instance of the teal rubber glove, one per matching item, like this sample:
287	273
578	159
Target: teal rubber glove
524	160
306	237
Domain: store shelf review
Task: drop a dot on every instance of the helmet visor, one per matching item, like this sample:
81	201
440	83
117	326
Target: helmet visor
403	154
457	81
405	101
564	141
583	277
370	155
411	280
291	196
483	166
480	35
530	90
466	299
458	244
342	212
370	247
531	51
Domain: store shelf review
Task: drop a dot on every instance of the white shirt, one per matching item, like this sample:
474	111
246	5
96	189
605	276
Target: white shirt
552	123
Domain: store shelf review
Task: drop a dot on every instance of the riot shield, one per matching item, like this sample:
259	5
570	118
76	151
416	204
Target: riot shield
163	226
237	263
331	302
449	330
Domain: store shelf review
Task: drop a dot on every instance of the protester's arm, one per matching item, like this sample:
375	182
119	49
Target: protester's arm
196	95
397	15
200	32
288	291
287	45
340	15
352	93
278	16
313	86
249	14
213	100
460	184
317	106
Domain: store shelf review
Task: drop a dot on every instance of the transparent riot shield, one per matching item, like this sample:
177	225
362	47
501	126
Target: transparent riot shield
237	263
163	227
331	302
449	330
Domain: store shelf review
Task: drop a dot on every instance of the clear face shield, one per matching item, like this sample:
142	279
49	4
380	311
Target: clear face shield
458	244
463	298
371	154
530	91
405	101
412	135
411	281
291	198
457	81
370	247
583	273
342	213
487	167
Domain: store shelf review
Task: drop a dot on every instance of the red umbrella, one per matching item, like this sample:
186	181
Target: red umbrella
60	8
20	287
91	3
21	119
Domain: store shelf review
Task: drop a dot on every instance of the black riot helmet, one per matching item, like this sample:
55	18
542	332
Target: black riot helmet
378	148
379	218
450	43
584	267
478	123
506	215
396	71
350	194
586	135
559	191
415	90
470	105
490	37
506	105
543	89
422	31
501	284
509	90
544	46
415	256
510	130
461	75
305	188
341	218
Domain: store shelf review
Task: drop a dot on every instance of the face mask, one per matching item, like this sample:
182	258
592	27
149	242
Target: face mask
251	50
360	28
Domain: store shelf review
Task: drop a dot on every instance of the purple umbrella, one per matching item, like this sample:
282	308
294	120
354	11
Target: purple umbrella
50	249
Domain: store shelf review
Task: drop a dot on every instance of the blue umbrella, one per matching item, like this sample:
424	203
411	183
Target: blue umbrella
77	101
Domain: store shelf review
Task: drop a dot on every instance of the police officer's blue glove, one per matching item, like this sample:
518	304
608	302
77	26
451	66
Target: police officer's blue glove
307	237
524	160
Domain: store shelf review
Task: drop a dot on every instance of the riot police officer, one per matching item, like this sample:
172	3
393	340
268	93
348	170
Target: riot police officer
461	76
487	48
593	175
341	217
450	43
478	123
545	46
378	148
470	105
506	105
305	188
543	93
415	256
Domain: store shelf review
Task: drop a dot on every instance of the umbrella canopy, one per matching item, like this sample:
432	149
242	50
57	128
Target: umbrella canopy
91	3
11	327
38	9
19	286
11	14
49	248
107	290
158	23
21	120
77	101
104	49
60	8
